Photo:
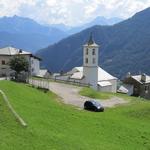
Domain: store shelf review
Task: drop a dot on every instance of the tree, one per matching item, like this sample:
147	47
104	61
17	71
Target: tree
18	64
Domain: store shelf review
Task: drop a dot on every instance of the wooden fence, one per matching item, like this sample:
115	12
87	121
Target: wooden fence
74	82
41	83
45	83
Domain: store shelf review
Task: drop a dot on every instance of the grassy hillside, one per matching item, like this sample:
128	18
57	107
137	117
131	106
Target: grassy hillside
55	126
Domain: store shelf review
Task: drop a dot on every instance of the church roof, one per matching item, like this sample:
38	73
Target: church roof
77	75
104	83
91	41
102	74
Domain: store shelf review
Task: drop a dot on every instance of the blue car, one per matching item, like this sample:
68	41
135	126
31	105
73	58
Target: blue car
93	106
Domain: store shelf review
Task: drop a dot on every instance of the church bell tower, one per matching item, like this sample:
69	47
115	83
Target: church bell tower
90	62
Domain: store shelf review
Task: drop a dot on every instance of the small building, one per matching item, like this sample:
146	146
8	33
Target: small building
44	73
7	53
140	83
126	89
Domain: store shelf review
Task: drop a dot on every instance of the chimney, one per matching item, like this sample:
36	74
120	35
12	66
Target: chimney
20	50
128	75
143	77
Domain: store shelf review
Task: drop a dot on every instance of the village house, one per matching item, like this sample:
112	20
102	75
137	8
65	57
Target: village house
90	73
7	53
44	73
137	85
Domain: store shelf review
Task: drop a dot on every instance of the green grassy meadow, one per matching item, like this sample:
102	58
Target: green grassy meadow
56	126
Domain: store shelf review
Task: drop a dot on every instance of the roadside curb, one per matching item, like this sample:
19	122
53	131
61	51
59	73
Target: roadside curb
21	121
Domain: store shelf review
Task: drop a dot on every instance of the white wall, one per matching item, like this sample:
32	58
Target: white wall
105	88
5	69
35	66
90	69
90	56
91	76
110	88
114	85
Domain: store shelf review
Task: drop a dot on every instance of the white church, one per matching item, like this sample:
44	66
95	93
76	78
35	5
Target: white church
90	73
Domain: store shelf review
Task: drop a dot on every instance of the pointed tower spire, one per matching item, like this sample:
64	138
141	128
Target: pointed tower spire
91	41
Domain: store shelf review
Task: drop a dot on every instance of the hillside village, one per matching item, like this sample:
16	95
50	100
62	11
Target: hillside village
78	93
90	74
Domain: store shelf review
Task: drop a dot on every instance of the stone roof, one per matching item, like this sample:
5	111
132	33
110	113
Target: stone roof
12	51
138	78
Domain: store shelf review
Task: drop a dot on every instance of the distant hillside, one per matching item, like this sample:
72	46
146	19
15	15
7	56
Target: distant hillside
97	21
123	47
27	34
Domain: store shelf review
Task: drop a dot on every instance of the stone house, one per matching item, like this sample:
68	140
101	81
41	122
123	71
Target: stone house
140	84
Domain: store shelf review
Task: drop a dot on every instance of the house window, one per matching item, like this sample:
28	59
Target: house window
146	87
93	52
93	60
3	62
86	60
87	51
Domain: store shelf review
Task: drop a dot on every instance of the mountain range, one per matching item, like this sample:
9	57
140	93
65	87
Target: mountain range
97	21
27	34
124	47
100	20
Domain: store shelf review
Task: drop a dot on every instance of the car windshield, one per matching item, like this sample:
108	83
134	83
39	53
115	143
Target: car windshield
96	103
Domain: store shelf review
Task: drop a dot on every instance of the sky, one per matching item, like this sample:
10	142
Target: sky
71	12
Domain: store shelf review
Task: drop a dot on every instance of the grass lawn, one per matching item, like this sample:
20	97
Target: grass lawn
89	92
55	126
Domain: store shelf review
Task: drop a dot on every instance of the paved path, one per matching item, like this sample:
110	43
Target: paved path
70	95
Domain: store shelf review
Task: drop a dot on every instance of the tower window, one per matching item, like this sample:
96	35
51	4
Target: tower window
94	61
93	52
3	62
87	51
86	60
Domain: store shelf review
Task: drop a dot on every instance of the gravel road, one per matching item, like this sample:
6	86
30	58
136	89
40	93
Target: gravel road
70	95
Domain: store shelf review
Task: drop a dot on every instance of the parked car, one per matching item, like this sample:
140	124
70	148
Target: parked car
93	106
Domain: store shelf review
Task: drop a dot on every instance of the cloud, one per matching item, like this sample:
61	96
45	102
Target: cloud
71	12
